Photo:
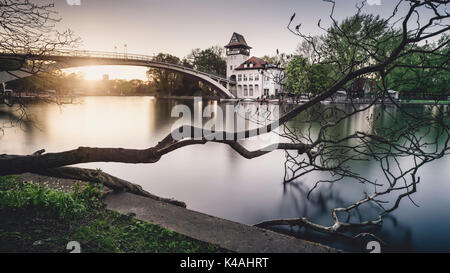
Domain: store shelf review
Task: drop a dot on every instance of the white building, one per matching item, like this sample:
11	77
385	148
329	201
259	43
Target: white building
255	77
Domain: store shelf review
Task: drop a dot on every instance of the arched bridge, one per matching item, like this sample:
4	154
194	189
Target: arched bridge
68	59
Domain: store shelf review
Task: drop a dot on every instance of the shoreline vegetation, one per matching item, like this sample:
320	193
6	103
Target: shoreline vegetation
38	218
215	98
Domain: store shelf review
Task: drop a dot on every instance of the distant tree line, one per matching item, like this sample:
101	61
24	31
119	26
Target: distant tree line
74	83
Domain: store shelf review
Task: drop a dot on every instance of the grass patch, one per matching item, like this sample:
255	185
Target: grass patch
37	219
431	102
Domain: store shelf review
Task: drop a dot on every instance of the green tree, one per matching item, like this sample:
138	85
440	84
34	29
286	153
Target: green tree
297	79
342	44
303	77
165	80
319	78
210	60
431	69
357	41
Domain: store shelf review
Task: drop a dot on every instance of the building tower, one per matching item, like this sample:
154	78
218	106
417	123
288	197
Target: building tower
237	52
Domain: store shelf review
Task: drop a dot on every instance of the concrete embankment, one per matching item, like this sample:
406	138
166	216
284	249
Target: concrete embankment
227	234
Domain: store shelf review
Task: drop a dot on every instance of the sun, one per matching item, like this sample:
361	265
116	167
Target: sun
113	71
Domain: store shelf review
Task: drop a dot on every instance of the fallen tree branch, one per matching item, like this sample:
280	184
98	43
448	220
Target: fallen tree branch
97	176
335	230
39	161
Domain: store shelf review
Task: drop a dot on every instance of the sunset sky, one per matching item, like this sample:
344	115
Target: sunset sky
178	26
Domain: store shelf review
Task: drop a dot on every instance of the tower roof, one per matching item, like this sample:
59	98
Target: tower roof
237	40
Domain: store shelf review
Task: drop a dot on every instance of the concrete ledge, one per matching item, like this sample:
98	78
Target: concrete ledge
227	234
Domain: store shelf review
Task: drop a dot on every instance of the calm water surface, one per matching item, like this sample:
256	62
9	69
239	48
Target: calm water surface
215	180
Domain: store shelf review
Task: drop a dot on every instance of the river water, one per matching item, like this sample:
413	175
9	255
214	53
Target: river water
214	179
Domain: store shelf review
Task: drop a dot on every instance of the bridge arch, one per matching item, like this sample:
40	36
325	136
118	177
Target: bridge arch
87	58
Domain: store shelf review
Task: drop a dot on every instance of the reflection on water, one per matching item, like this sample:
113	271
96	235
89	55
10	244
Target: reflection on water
214	179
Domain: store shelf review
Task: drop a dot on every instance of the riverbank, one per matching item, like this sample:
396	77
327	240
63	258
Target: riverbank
44	216
71	99
227	234
128	223
400	102
426	102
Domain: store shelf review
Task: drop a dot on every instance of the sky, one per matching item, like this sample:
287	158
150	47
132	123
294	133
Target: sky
178	26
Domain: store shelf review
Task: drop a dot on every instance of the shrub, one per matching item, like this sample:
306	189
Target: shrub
18	195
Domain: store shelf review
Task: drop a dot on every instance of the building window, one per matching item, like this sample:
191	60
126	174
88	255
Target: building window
267	78
250	77
251	90
256	77
266	91
231	67
256	90
251	65
245	91
245	77
245	65
239	77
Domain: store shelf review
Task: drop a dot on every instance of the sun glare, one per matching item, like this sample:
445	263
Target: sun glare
114	72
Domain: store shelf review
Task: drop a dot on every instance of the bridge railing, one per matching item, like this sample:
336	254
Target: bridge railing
125	56
130	56
102	54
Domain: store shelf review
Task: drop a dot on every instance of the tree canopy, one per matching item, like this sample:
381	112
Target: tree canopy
210	60
163	79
